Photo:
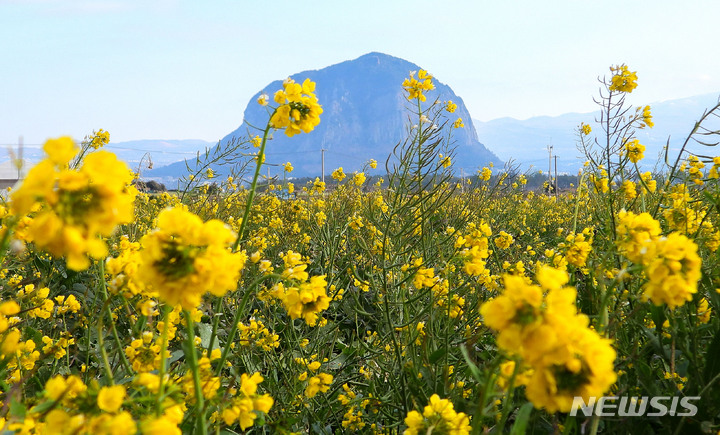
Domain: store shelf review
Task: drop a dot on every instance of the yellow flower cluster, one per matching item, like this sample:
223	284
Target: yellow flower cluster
99	139
695	170
184	258
540	325
306	300
256	334
629	190
578	247
299	110
623	80
338	174
245	406
682	215
438	416
648	183
713	173
416	87
672	264
424	276
79	409
475	251
645	117
635	150
318	384
123	269
634	232
209	384
503	240
11	336
144	354
72	208
303	298
485	173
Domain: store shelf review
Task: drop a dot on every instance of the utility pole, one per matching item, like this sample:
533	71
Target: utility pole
323	163
556	179
462	178
550	151
20	157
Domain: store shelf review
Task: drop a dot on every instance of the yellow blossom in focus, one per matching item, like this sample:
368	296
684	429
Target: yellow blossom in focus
623	80
184	258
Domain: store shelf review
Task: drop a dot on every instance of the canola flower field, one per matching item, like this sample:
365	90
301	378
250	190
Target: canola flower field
418	304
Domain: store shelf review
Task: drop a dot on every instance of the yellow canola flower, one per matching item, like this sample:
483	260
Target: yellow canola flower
417	87
184	258
244	407
673	268
338	174
299	110
545	330
99	139
438	416
635	150
110	399
634	233
306	300
74	208
318	384
164	425
623	80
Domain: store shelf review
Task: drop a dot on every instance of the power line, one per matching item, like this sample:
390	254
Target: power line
115	147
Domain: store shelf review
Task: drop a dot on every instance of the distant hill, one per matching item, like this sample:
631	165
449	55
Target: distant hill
525	141
160	152
364	117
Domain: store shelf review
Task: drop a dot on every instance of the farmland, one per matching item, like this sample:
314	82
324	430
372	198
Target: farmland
415	303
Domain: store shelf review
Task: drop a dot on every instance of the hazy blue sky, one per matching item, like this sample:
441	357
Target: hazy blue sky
164	69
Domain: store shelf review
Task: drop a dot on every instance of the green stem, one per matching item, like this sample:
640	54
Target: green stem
234	327
594	423
192	357
251	194
508	398
163	361
116	336
103	353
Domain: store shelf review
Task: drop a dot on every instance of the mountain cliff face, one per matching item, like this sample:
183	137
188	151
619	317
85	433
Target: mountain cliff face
364	116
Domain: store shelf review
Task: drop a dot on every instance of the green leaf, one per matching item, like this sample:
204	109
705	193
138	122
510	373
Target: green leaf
471	365
521	420
17	409
712	359
205	330
175	356
43	407
435	356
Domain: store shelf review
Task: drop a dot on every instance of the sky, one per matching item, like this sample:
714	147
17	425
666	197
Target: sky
171	69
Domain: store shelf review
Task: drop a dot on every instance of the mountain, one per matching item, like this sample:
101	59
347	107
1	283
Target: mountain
525	141
160	152
364	116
